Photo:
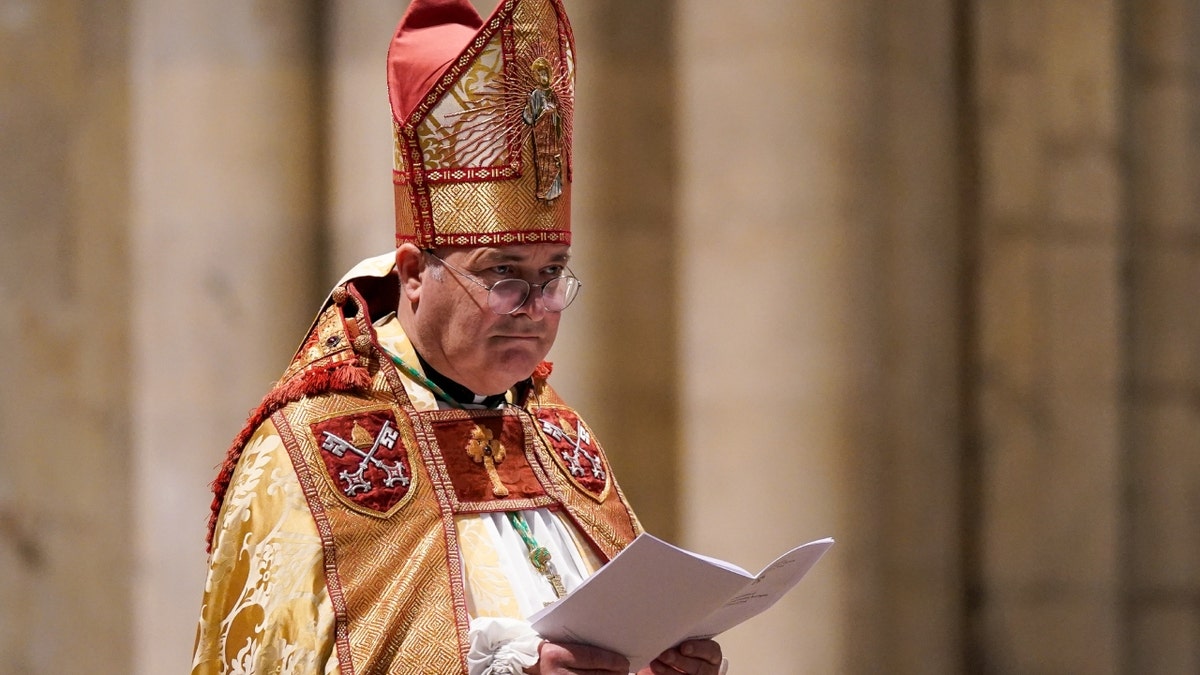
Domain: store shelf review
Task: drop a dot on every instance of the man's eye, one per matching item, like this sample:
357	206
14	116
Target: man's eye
501	270
552	271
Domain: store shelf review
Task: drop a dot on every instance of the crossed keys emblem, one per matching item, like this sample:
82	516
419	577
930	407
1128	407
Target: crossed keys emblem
575	451
357	481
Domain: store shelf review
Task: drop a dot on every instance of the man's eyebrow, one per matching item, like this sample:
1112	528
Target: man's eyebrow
495	256
500	257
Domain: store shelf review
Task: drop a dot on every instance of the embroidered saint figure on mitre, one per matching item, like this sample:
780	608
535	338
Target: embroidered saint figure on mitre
542	115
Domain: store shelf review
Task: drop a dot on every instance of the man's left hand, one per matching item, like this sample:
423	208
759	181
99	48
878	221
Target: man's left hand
694	657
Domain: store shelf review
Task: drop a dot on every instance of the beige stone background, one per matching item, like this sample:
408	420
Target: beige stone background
922	275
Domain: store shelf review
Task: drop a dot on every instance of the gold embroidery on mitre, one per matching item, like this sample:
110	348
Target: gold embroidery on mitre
544	118
489	163
468	129
486	450
498	213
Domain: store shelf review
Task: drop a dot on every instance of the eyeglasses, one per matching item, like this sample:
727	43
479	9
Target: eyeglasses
508	295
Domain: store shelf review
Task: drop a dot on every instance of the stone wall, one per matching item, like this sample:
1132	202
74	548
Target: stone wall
1049	350
919	275
1161	397
67	490
1086	354
819	306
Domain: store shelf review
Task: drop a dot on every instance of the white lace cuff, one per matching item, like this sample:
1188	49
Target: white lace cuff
501	646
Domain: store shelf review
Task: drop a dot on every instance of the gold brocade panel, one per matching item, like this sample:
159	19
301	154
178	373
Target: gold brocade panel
486	213
395	586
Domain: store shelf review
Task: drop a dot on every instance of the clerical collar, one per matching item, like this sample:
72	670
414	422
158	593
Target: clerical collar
456	391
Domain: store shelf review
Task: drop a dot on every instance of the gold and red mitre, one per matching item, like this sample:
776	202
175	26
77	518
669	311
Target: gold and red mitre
482	113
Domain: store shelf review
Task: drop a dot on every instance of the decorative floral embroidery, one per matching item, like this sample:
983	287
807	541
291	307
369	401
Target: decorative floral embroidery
271	621
490	591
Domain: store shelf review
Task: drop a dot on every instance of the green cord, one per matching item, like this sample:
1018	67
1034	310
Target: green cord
538	555
422	380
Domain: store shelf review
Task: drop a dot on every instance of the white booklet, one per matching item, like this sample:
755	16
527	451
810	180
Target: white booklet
653	595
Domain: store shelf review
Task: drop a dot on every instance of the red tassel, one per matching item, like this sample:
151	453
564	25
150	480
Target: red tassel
341	377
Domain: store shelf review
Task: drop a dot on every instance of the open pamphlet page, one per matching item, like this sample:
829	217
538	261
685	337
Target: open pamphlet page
653	595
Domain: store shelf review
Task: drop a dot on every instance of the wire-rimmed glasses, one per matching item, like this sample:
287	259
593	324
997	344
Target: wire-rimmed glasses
508	295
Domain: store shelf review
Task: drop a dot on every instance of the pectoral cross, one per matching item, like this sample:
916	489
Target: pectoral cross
485	450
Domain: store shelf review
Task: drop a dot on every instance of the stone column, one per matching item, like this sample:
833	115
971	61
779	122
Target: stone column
619	347
223	223
66	468
818	313
919	128
359	198
1050	338
1163	540
578	369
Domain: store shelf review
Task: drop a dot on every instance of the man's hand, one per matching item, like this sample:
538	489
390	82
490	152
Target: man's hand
694	657
561	658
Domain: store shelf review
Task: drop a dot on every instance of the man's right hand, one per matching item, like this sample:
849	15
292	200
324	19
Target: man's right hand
564	658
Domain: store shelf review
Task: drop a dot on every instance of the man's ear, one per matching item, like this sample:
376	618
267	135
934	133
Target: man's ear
410	262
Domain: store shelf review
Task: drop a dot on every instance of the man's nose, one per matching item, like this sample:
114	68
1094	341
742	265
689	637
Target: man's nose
534	306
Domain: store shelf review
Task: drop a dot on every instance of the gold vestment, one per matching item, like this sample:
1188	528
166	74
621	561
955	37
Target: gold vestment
335	548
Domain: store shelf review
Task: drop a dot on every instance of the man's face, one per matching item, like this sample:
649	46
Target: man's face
460	336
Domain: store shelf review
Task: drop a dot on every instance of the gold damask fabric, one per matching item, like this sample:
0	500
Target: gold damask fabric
266	607
317	567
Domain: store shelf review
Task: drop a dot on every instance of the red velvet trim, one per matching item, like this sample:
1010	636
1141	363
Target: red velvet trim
467	174
419	193
469	479
340	377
